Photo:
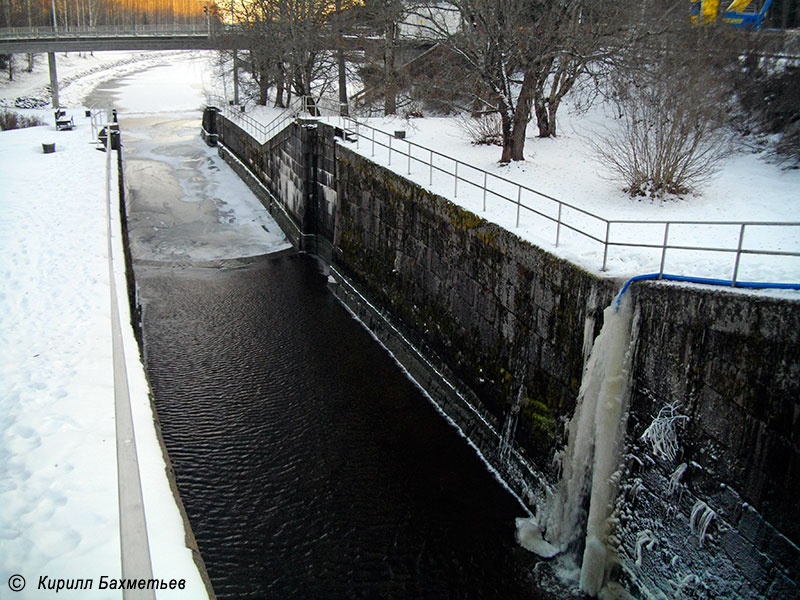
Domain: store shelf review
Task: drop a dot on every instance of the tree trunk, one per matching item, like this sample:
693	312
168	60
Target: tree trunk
522	115
552	107
263	84
542	118
506	118
390	90
280	85
343	106
341	64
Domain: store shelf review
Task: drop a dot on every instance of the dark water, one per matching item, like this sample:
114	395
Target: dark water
310	466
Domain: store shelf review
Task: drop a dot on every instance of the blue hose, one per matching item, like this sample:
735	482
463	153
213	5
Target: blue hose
758	285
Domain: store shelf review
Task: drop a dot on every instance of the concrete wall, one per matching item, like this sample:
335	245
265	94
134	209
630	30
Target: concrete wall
497	314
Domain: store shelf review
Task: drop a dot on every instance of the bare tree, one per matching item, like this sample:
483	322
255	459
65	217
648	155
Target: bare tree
262	55
294	45
487	41
382	17
528	54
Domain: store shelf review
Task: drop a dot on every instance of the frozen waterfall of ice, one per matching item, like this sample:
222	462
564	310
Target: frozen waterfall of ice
591	460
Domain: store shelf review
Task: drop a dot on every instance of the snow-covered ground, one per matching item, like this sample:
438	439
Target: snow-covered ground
58	470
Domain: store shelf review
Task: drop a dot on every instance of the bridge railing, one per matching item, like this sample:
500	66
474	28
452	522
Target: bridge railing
36	33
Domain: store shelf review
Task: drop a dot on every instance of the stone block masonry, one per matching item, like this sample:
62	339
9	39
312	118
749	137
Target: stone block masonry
499	312
500	315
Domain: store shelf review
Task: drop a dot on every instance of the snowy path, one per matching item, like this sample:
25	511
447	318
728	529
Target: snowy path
58	456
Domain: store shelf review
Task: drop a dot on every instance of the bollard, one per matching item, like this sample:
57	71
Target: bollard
48	148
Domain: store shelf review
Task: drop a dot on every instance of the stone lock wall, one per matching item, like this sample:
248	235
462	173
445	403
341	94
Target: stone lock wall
728	363
296	167
718	519
501	313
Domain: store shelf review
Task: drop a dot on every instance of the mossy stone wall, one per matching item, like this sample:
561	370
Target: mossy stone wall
500	312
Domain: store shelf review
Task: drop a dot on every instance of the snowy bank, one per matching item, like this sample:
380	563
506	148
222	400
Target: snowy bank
58	455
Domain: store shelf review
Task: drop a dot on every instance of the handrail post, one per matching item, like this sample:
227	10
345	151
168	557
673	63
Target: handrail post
373	141
605	246
664	250
409	158
738	255
390	150
558	224
430	169
519	201
455	181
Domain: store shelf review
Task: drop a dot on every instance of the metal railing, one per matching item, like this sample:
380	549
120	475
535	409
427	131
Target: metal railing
260	131
100	117
134	543
547	214
534	209
110	31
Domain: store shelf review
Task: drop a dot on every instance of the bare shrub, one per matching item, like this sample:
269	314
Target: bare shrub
12	120
672	132
665	142
486	129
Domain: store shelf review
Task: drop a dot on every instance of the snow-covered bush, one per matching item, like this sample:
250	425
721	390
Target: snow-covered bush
486	129
12	120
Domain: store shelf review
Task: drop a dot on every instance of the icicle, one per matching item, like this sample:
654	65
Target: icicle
661	433
593	450
675	478
700	519
644	539
510	429
588	326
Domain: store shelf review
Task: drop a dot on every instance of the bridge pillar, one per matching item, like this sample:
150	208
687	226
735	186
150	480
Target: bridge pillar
51	62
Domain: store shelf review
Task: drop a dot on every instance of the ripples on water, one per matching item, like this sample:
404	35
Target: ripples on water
310	466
